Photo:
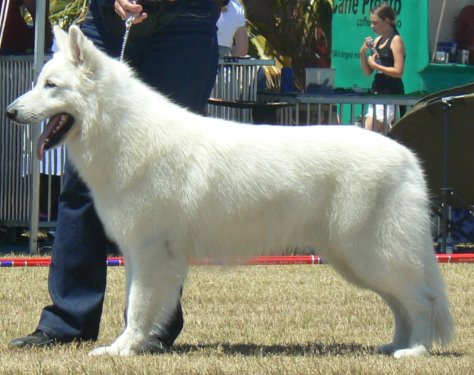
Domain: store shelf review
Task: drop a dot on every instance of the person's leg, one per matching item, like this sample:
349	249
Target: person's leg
77	276
369	118
375	123
390	116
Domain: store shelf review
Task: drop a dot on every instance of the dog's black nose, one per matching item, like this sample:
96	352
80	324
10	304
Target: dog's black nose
12	114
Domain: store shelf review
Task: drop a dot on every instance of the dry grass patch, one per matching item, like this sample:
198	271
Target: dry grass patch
244	320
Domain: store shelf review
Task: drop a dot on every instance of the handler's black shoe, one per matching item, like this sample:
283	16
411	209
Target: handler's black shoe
36	339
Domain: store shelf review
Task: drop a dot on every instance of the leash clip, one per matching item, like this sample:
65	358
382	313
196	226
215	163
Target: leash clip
129	22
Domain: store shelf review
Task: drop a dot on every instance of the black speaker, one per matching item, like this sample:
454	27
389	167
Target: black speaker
440	130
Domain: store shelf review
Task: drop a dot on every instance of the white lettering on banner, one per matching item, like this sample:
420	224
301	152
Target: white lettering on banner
368	5
347	7
352	6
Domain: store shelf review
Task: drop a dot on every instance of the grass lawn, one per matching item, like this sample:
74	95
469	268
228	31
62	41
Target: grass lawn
244	320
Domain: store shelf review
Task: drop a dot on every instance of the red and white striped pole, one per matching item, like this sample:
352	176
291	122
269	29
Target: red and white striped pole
261	260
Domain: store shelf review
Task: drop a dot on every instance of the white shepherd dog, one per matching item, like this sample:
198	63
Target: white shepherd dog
170	185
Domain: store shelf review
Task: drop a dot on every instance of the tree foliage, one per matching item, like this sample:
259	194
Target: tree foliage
67	12
299	29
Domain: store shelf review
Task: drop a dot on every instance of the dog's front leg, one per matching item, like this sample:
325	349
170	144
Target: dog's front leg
154	279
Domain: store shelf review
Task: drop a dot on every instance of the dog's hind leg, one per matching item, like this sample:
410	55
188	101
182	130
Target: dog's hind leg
155	281
412	302
401	284
419	304
424	299
403	327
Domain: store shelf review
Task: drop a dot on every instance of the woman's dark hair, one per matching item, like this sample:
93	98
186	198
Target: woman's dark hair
385	12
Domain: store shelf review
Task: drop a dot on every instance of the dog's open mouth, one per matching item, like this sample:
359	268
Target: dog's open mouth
56	128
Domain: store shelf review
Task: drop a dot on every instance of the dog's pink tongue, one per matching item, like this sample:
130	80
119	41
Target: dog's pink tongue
40	146
43	138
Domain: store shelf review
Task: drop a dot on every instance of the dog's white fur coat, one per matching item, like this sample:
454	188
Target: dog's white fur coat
170	185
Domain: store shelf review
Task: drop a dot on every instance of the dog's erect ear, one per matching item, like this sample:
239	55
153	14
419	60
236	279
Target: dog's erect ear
73	44
60	36
77	45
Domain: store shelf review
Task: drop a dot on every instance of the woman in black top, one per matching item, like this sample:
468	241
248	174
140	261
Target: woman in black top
387	58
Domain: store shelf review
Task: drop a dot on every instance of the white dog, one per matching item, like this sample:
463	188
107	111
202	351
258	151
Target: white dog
170	185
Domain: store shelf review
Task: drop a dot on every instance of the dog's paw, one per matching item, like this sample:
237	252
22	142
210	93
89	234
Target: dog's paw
111	350
102	350
415	351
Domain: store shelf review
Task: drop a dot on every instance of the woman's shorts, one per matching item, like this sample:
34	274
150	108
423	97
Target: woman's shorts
380	110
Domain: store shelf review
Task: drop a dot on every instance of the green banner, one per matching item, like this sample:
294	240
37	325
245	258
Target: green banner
351	25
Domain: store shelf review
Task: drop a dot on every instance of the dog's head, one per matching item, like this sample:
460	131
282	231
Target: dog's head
63	90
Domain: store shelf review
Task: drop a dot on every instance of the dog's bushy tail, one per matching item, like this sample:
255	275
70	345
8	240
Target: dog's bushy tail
442	320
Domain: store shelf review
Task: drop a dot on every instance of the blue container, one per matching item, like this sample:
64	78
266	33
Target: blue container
287	79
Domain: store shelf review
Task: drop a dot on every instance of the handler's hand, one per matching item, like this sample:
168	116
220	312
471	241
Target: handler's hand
125	8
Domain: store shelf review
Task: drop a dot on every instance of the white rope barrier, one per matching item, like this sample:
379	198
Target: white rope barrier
3	18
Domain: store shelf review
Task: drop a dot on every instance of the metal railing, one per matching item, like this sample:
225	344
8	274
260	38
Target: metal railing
309	109
16	154
237	79
16	77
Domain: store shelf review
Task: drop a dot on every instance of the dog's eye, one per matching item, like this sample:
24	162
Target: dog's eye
49	84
